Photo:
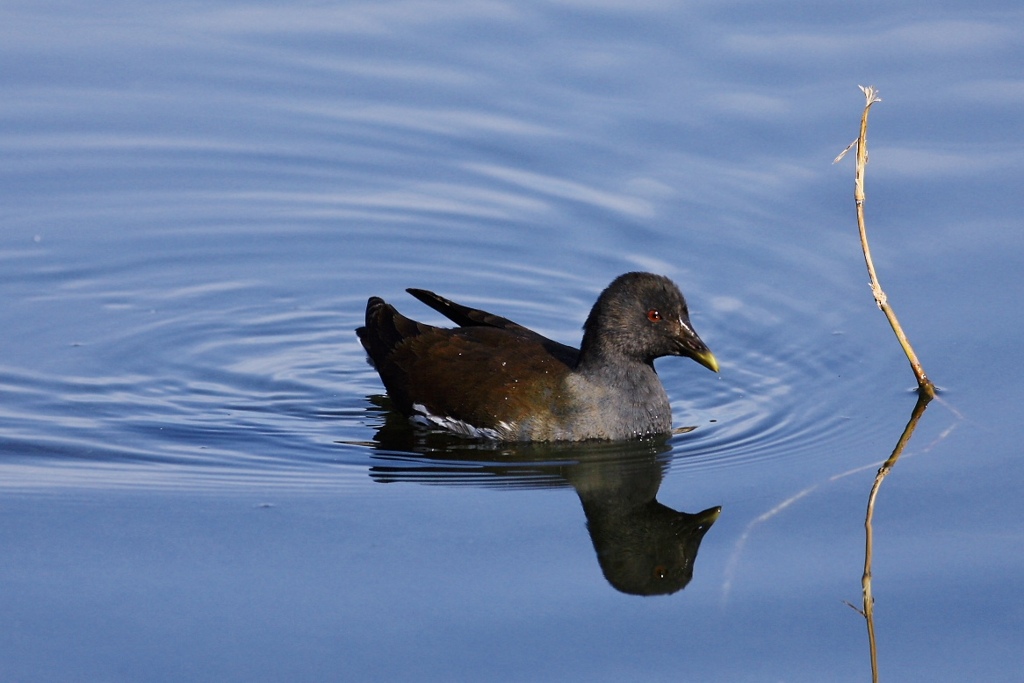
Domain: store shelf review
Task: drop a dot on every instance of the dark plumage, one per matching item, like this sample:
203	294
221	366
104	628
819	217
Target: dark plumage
494	378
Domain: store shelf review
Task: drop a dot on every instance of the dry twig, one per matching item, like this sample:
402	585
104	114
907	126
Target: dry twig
925	386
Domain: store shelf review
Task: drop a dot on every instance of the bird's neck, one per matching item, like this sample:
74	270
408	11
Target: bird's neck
598	354
605	365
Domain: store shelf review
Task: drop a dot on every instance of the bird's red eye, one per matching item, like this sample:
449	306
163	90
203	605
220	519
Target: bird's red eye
654	315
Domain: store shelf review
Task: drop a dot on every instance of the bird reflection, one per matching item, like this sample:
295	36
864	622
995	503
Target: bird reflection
642	546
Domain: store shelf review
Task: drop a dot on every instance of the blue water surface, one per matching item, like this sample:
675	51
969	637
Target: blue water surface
201	480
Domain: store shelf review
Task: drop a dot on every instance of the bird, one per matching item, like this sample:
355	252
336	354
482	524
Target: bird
494	379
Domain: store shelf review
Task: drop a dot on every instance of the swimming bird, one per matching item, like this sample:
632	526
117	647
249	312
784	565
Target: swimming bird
493	378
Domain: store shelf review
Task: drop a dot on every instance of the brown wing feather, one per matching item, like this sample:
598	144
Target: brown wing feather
438	368
481	376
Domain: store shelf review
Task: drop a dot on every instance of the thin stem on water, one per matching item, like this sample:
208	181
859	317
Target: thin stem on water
925	385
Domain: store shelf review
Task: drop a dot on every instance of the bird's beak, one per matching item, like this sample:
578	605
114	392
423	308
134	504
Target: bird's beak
692	346
706	358
689	344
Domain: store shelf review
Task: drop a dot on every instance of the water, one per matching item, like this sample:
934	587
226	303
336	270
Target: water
199	479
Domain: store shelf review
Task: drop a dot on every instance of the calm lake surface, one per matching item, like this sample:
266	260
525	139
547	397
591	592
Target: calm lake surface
200	480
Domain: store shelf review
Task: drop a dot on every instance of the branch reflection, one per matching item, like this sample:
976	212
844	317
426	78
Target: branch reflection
868	609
